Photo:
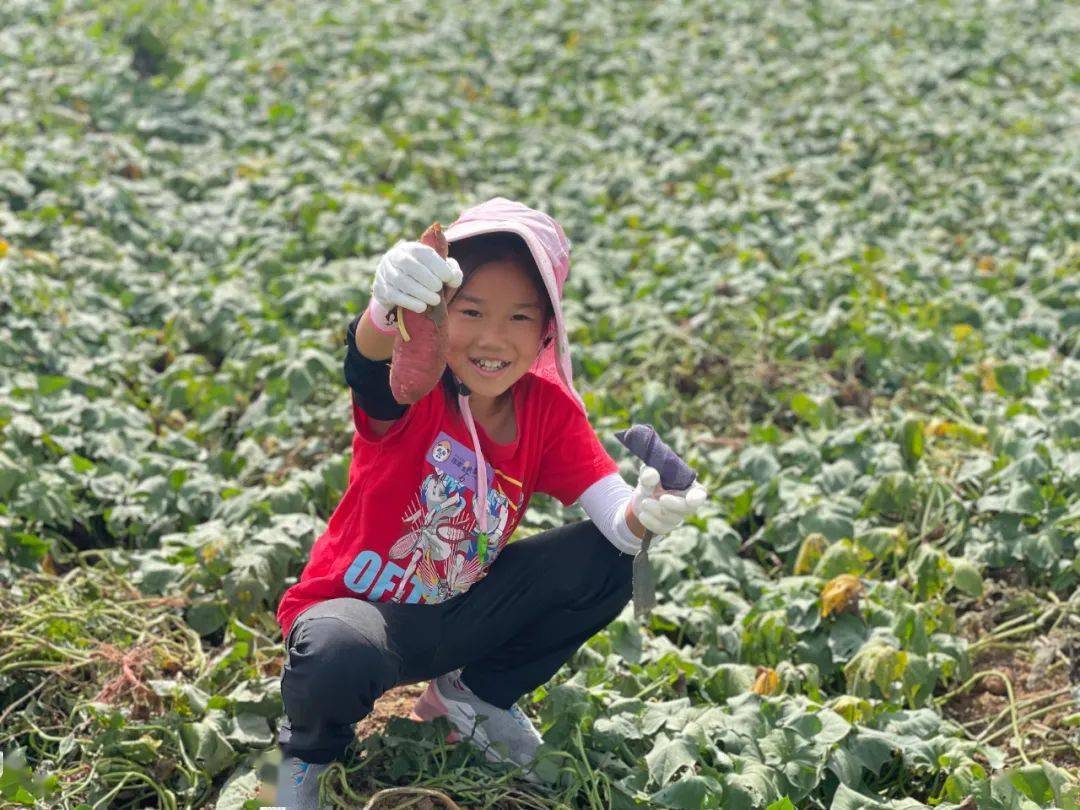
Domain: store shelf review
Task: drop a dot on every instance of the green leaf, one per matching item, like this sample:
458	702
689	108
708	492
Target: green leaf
667	757
1043	783
153	576
729	680
81	465
1010	378
911	440
792	755
1023	499
847	799
892	494
966	577
249	731
50	384
806	409
11	474
689	793
847	634
879	664
241	789
929	569
261	697
617	728
842	557
826	520
207	615
752	786
659	714
759	463
883	543
206	744
847	768
177	478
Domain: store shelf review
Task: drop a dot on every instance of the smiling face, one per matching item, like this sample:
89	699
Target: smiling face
497	315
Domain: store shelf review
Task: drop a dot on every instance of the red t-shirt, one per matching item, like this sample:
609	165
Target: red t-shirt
405	530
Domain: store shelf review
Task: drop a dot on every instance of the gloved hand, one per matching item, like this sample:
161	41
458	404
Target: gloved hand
661	511
410	275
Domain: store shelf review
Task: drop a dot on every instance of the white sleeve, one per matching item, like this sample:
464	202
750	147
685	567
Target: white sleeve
605	504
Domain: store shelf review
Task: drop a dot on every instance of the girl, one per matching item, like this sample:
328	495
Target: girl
413	579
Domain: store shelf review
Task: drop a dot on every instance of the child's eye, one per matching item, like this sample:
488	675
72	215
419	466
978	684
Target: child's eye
470	312
523	317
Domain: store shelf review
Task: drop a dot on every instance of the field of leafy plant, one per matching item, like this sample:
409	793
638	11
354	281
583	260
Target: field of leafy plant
829	250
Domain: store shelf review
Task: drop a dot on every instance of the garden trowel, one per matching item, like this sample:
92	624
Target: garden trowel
675	475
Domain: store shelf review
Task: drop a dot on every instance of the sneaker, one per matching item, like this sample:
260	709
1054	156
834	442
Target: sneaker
429	706
298	784
486	724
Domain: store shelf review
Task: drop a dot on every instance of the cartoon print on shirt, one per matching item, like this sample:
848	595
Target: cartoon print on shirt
433	534
443	545
469	561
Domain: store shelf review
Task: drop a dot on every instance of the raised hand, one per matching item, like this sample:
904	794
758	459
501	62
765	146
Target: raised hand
412	275
659	510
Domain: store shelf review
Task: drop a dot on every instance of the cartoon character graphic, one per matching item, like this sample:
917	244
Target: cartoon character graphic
432	538
441	451
486	546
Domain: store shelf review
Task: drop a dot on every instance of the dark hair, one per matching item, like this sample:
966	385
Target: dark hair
476	251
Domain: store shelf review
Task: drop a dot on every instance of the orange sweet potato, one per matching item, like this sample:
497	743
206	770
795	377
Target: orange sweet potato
420	347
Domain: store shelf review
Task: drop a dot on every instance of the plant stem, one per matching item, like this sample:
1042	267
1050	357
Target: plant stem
1012	703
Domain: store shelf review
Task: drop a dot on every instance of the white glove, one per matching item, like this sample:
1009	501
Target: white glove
661	511
412	275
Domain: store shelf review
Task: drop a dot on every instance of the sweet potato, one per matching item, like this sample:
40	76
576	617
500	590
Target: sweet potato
420	347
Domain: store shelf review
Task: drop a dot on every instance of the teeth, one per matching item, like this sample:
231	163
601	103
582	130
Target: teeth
490	366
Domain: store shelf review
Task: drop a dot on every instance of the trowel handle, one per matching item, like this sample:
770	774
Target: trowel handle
643	442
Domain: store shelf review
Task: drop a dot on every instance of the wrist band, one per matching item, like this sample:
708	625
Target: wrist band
382	319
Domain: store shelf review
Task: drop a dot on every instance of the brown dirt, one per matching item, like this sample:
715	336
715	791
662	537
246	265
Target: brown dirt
398	702
1034	677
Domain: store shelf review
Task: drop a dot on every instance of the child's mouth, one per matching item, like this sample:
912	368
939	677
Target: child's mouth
489	368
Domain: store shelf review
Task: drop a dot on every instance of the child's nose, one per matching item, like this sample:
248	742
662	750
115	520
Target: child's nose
494	336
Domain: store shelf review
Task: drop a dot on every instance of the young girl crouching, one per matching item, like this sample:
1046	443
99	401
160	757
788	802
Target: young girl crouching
414	579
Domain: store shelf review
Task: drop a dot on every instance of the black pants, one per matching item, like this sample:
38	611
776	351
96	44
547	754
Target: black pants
510	632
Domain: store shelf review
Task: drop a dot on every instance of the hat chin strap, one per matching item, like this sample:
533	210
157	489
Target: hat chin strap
461	387
480	501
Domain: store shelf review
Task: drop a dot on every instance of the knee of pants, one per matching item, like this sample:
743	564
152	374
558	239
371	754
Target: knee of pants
334	671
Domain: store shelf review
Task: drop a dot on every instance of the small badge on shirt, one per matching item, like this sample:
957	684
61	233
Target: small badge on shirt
450	456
